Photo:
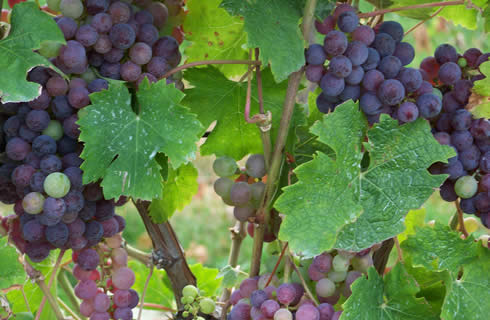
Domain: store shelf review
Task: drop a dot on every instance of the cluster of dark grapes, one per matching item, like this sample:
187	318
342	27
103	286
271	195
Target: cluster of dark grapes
368	65
264	298
106	294
119	40
469	172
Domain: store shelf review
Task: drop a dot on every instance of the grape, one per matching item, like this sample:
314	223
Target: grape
445	53
482	202
86	307
441	137
86	289
33	203
315	55
363	263
390	66
53	211
331	85
286	293
37	252
424	88
68	26
326	311
103	44
159	12
243	213
41	102
336	315
96	6
269	307
282	314
449	73
158	66
122	36
98	85
326	26
73	54
468	205
461	140
70	126
323	262
454	169
71	8
340	66
50	164
74	174
148	34
307	311
407	112
93	232
120	12
61	108
105	316
323	104
348	21
325	288
225	166
240	194
372	80
485	162
56	86
130	71
56	185
110	227
449	102
340	263
143	17
482	58
71	160
74	201
429	105
393	28
77	228
11	126
165	47
257	298
405	52
38	74
335	43
370	104
37	120
255	166
485	182
471	56
37	181
357	52
384	44
372	60
462	90
485	220
33	231
88	259
102	22
461	120
67	145
21	176
148	76
140	53
54	130
121	298
337	276
364	34
411	79
314	73
101	302
87	35
123	278
57	235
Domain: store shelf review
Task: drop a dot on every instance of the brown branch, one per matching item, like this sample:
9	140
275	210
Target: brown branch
462	227
424	21
415	6
208	62
238	233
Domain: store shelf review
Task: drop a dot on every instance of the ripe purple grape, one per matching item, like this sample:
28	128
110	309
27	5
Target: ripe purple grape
340	66
429	105
392	92
384	44
122	36
315	55
102	22
411	79
446	53
370	104
332	85
449	73
348	21
357	52
335	43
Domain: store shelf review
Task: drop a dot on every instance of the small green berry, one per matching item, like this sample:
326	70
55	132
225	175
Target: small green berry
190	291
207	305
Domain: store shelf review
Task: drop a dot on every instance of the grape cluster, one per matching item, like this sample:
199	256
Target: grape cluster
264	298
469	172
195	303
105	294
119	40
369	65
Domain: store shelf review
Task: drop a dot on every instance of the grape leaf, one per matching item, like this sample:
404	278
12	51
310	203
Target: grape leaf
439	248
482	87
215	98
414	218
486	16
159	290
464	296
178	190
336	205
208	281
30	27
230	276
215	35
272	26
125	157
11	271
393	298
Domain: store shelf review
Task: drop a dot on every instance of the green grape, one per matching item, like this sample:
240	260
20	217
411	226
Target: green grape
71	8
185	314
57	185
225	166
222	186
54	5
190	291
50	49
200	318
466	187
54	130
257	192
337	276
33	203
325	288
340	263
207	305
89	75
462	62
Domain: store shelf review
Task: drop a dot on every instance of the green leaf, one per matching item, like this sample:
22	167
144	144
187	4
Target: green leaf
30	27
159	290
393	298
439	248
463	299
336	205
482	87
215	35
272	26
230	276
11	271
215	98
178	191
208	281
414	218
125	156
486	16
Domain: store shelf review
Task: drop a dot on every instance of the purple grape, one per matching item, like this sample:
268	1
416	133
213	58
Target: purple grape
130	71
390	66
372	60
96	6
405	52
335	43
411	79
384	44
70	126
471	56
392	92
408	112
461	140
122	36
134	299
442	137
370	104
57	235
111	70
21	176
462	90
449	102
446	53
71	160
143	17
356	76
41	102
165	47
372	80
67	145
340	66
86	289
148	34
93	232
158	67
485	182
468	205
364	34
88	259
37	252
326	311
11	126
50	164
350	93
455	169
307	311
240	311
485	162
449	73
76	228
357	52
314	73
393	28
286	293
33	231
248	286
424	88
257	298
87	35
88	211
68	26
461	120
110	227
37	120
123	314
315	55
323	104
73	55
78	98
17	149
332	85
120	12
429	105
482	202
75	176
37	182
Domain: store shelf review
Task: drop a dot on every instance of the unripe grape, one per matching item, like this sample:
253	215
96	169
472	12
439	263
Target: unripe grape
283	314
325	287
471	224
225	166
190	291
33	203
337	276
57	185
222	186
340	263
240	193
466	187
71	8
207	305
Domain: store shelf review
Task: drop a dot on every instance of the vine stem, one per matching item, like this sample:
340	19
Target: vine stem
462	227
277	156
264	134
398	249
140	314
237	235
47	295
67	308
68	289
415	6
208	62
424	21
143	257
